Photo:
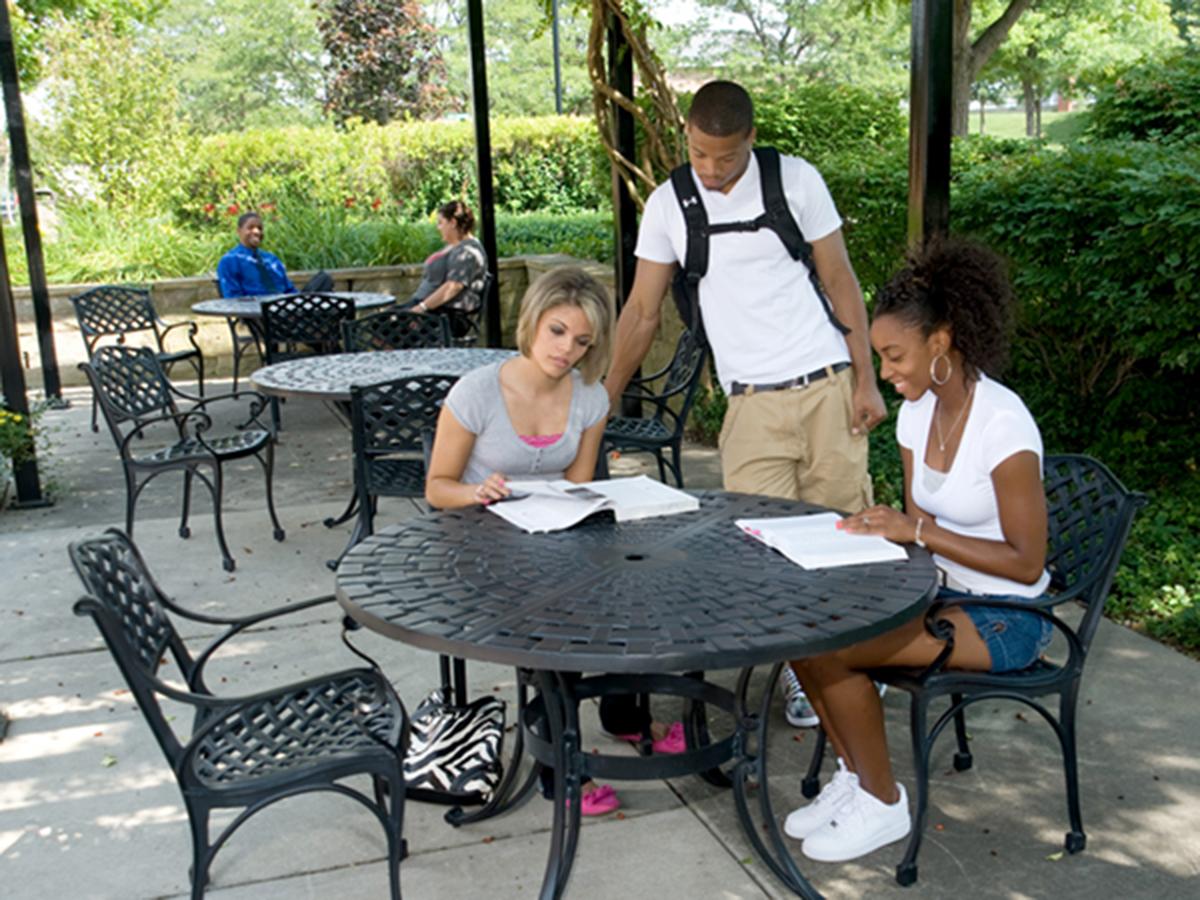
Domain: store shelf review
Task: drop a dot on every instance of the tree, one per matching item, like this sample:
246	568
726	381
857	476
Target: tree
1078	47
34	20
114	126
384	62
520	55
244	63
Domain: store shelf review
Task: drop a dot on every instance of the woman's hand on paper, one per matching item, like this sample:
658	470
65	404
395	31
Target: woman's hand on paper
883	521
493	488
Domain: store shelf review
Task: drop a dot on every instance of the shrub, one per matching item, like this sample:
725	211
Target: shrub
1104	242
552	164
1151	101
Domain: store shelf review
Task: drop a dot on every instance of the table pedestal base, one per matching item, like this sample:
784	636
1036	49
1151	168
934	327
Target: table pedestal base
549	729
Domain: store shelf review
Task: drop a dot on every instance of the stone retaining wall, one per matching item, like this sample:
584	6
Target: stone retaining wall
173	298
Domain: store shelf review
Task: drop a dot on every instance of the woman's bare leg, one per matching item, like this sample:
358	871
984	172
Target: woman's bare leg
849	705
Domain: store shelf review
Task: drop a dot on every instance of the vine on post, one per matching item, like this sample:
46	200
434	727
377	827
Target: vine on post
662	145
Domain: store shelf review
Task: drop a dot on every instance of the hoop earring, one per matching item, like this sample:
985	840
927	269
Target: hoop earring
933	369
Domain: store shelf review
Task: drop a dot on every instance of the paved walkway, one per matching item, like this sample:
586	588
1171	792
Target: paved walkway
89	809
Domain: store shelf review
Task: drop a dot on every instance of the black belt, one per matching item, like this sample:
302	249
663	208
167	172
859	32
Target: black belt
800	381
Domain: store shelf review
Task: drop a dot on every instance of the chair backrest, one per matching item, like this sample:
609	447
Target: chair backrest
126	604
113	311
681	378
395	329
390	417
1090	514
129	384
304	324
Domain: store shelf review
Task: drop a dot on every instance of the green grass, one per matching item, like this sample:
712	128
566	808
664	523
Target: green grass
1057	127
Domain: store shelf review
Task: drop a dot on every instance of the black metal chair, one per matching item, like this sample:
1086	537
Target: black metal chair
395	329
663	428
118	311
302	325
244	752
391	425
1090	514
140	404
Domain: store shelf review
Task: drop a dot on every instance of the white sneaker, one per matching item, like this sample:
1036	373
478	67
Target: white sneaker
796	708
861	823
804	821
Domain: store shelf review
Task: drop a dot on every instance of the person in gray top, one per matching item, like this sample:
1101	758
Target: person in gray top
535	416
452	280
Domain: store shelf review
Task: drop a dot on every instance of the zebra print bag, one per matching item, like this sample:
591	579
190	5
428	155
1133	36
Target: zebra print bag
454	751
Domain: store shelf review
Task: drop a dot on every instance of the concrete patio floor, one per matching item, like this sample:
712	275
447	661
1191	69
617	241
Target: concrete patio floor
88	807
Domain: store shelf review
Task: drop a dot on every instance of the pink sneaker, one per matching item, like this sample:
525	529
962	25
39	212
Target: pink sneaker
599	801
673	741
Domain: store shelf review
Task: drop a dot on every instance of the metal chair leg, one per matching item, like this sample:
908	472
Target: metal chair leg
906	871
811	785
962	759
198	820
269	473
216	489
184	531
1076	840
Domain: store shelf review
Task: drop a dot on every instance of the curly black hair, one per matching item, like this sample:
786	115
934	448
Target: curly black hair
460	214
961	284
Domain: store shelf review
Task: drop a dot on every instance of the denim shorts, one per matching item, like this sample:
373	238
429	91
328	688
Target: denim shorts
1015	639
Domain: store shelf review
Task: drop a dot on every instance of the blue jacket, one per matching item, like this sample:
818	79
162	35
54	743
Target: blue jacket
241	276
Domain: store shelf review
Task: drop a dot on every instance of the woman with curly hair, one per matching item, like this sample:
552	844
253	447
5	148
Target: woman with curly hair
452	279
973	495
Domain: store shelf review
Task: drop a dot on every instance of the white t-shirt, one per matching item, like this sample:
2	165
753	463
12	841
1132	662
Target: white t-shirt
764	320
997	427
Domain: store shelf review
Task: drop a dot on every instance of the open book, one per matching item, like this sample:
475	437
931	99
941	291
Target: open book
815	542
554	505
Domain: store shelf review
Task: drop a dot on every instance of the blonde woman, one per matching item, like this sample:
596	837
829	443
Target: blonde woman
540	416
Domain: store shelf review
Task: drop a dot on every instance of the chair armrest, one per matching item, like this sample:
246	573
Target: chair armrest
237	626
179	420
943	629
257	402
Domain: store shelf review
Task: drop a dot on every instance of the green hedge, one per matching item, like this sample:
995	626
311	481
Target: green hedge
408	169
1151	101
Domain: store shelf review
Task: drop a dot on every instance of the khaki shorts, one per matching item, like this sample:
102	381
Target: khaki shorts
796	443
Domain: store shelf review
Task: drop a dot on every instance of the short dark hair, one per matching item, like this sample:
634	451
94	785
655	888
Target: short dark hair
960	284
247	216
460	214
722	108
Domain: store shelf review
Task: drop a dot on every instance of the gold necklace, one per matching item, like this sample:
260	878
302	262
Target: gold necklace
937	419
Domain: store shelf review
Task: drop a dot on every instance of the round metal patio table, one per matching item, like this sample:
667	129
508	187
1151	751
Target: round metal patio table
251	307
634	601
330	377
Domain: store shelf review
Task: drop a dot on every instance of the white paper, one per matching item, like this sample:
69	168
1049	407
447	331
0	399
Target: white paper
538	506
815	542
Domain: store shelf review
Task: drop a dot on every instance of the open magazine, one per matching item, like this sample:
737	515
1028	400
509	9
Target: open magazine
538	506
815	542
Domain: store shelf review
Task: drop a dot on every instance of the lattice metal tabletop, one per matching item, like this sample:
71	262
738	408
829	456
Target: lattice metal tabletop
665	594
330	377
251	307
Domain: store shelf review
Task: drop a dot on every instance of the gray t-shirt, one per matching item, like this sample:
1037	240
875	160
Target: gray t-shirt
465	263
477	403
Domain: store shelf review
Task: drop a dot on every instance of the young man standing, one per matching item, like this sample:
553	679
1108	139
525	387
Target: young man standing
802	394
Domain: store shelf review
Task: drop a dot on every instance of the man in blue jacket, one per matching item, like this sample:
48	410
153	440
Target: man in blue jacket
246	270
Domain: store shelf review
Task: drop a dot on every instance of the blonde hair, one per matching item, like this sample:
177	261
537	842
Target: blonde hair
570	286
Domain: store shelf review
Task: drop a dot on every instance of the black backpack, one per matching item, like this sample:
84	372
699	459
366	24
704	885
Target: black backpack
776	216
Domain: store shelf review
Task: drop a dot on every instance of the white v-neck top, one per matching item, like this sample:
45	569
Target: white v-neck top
998	426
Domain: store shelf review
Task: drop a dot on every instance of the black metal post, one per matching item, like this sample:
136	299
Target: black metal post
12	381
930	119
620	77
23	171
557	61
483	167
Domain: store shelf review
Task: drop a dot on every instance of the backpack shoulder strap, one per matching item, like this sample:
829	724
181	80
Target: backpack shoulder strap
778	217
695	263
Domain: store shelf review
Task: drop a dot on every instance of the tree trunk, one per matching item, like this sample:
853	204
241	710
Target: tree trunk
982	102
970	58
1030	97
